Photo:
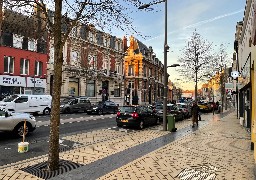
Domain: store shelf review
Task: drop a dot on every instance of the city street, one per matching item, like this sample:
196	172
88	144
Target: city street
71	124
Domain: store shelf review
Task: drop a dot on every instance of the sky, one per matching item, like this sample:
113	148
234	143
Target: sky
214	20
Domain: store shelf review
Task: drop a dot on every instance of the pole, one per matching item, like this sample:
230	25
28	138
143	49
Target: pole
213	100
165	70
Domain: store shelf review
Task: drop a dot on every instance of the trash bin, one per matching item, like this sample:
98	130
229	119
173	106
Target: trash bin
171	123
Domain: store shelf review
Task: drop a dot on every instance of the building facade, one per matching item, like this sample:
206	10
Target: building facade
143	72
93	65
23	56
245	54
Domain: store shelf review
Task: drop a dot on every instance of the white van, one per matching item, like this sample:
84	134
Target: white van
27	103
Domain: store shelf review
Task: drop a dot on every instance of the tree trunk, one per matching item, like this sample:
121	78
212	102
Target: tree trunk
53	158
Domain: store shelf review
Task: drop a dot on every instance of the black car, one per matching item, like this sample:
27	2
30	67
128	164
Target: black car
75	104
137	116
171	109
103	107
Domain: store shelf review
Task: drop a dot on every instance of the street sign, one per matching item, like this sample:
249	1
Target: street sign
234	74
229	86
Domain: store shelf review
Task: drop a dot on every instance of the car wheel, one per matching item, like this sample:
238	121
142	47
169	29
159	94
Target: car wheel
47	111
100	112
67	110
141	125
89	113
19	129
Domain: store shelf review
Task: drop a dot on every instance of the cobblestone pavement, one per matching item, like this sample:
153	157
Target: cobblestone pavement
218	149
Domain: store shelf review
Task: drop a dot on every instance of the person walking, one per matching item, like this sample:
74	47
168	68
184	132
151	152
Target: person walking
195	113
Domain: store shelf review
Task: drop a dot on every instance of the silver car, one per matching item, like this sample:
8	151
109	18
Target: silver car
14	122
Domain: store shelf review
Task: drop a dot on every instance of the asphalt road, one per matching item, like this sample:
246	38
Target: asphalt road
39	138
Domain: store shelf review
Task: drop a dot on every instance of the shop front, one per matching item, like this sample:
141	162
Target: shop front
245	94
12	85
21	85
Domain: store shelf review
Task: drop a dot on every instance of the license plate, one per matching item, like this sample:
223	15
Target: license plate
124	120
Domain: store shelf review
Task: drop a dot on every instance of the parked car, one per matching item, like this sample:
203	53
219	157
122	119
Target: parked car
204	107
103	107
14	122
75	104
137	116
171	109
186	108
23	103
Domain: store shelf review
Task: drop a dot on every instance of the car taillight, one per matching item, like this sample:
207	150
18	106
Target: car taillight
135	115
118	113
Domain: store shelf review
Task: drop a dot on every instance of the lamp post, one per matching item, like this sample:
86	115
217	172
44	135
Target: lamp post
166	48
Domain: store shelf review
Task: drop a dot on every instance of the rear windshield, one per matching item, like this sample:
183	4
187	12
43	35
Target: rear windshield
127	109
67	100
159	107
182	106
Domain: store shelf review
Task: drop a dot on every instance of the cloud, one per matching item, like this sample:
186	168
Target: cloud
199	23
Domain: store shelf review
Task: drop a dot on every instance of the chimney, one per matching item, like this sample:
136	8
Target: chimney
125	47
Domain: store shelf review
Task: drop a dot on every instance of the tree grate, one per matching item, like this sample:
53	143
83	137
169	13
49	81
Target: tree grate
40	170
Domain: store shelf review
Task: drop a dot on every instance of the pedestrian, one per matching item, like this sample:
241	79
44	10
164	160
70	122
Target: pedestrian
218	106
195	113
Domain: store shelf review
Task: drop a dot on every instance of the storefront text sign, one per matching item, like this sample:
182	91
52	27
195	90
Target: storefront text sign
6	80
36	82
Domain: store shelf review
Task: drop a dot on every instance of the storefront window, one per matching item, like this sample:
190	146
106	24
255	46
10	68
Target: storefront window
90	88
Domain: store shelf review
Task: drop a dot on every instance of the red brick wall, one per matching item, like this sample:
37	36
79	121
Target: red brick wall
18	54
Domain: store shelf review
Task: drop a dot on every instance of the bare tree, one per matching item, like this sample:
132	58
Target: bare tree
105	14
197	60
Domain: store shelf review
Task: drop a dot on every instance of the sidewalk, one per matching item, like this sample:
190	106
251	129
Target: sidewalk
217	149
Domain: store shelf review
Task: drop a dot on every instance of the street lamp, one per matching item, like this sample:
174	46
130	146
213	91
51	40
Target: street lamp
166	48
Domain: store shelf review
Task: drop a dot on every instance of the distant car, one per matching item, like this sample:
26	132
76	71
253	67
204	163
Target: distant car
14	122
103	107
75	104
186	108
137	116
204	107
171	109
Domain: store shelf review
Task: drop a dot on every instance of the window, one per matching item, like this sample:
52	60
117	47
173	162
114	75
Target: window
8	64
118	68
91	36
74	58
131	70
38	68
90	87
117	92
32	45
17	41
24	64
131	84
106	42
92	61
22	99
150	72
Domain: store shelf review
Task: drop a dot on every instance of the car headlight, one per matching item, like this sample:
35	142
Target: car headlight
95	108
61	106
3	105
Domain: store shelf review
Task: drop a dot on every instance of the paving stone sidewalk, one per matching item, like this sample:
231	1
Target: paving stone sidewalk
220	150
